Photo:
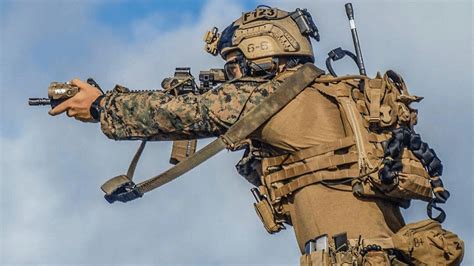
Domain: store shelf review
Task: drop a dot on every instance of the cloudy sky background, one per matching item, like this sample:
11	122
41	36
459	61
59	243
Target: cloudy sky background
52	210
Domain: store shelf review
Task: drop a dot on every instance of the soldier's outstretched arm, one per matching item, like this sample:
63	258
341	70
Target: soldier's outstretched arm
155	115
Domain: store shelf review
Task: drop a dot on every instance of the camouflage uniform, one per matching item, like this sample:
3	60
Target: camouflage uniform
155	115
314	209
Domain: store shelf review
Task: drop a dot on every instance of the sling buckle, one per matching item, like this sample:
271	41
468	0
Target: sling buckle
121	188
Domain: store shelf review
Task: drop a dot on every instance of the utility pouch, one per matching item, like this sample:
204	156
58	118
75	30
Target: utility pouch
427	243
376	258
266	214
345	258
182	149
387	101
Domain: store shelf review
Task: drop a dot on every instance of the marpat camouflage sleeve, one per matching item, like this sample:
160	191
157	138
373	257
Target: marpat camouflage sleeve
155	115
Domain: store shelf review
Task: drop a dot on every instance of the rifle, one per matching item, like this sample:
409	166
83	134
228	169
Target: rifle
58	92
183	82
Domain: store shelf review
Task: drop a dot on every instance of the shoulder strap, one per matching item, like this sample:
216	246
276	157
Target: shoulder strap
122	188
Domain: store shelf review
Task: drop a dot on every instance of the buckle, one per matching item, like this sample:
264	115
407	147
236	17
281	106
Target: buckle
124	193
120	188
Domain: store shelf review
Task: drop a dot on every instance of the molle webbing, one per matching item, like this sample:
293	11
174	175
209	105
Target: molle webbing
314	178
342	94
416	170
309	152
329	161
311	165
378	138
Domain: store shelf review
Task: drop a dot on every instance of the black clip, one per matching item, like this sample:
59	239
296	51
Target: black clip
124	193
305	23
429	210
337	54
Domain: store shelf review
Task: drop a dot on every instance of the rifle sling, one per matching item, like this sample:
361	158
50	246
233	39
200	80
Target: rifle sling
256	117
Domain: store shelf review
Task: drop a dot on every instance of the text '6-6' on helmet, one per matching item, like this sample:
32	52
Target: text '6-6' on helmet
266	32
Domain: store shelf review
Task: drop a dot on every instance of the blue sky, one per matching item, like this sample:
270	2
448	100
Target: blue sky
51	207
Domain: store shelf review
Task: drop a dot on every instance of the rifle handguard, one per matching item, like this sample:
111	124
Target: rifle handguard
120	188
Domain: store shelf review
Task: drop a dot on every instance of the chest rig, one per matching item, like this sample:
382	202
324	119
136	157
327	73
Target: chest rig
381	155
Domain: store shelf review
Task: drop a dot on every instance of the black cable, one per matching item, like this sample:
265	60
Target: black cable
337	54
402	138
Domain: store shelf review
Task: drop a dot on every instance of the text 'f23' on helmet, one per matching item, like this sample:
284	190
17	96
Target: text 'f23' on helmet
266	33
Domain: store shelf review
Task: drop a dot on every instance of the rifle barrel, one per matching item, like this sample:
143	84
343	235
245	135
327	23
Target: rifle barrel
39	101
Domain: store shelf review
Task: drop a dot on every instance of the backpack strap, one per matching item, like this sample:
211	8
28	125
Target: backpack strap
122	188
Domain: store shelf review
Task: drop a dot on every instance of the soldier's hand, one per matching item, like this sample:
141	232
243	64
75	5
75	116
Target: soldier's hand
79	105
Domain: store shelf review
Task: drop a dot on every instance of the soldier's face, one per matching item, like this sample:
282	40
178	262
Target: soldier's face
232	67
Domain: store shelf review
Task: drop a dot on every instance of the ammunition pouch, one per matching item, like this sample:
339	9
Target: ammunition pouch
268	217
421	243
318	258
354	252
182	149
376	258
120	188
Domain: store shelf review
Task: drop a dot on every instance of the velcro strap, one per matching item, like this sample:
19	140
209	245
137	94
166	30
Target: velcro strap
309	152
378	138
416	170
375	94
407	154
312	165
340	90
315	178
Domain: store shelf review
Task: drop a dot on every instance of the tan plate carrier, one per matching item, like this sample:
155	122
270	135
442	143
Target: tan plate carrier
369	116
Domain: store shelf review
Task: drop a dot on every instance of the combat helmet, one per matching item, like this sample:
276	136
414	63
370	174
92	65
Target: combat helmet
264	35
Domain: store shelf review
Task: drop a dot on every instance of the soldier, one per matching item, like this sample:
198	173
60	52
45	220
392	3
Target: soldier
307	160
